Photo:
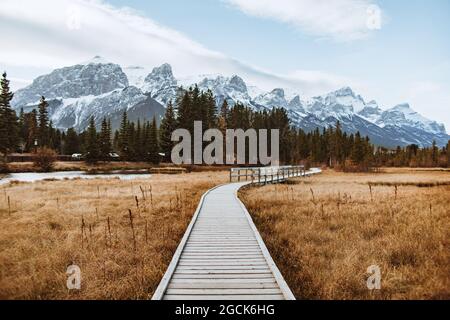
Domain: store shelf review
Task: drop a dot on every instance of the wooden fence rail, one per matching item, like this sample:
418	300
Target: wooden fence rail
266	174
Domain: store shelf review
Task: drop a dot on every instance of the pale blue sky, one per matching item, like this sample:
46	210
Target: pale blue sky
412	47
414	38
316	45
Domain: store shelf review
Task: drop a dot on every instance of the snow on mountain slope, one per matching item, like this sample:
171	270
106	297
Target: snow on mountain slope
161	84
403	116
342	102
136	75
102	89
273	99
72	82
371	112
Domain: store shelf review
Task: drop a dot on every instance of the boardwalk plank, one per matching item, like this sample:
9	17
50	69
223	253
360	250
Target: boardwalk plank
222	256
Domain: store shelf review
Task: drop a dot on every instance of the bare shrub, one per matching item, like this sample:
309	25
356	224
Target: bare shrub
45	159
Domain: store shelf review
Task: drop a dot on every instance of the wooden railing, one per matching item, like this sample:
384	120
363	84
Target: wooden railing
266	174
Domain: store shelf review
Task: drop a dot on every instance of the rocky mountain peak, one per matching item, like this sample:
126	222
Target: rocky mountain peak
274	99
161	84
278	92
344	92
104	89
238	83
90	79
403	115
161	73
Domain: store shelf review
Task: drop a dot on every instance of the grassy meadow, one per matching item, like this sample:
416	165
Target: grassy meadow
50	225
325	231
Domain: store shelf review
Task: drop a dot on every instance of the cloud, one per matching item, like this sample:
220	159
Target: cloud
49	34
341	20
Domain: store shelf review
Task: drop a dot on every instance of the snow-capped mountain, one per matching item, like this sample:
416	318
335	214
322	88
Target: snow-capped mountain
273	99
102	89
93	78
403	116
371	112
161	84
95	88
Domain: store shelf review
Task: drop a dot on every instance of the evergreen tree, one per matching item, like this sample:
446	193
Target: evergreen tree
9	131
434	154
224	109
116	140
185	112
168	126
131	154
105	141
358	151
448	153
92	146
138	142
43	129
71	142
33	129
124	137
22	129
153	144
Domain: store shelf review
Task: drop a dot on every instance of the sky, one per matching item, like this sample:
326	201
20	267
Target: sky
391	51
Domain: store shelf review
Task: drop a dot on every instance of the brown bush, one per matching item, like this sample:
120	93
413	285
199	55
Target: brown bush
45	159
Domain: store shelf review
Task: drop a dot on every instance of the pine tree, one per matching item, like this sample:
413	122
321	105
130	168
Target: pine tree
32	131
123	138
358	151
185	112
211	110
139	145
22	129
43	129
448	154
224	109
9	134
92	146
105	141
168	126
153	144
434	154
71	142
131	154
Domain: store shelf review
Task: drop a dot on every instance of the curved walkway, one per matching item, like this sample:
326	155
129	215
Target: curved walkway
222	255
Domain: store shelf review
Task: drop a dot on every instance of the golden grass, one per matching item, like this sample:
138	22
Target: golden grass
43	234
324	232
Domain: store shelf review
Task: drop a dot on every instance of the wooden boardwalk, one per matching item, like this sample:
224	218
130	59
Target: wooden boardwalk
222	255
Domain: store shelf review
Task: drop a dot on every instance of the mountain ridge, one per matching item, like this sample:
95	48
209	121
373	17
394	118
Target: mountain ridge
104	89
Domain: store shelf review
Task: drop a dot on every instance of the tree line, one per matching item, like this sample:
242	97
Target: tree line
146	141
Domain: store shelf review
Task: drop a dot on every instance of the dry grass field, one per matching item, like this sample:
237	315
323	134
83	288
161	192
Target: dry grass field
324	232
50	225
